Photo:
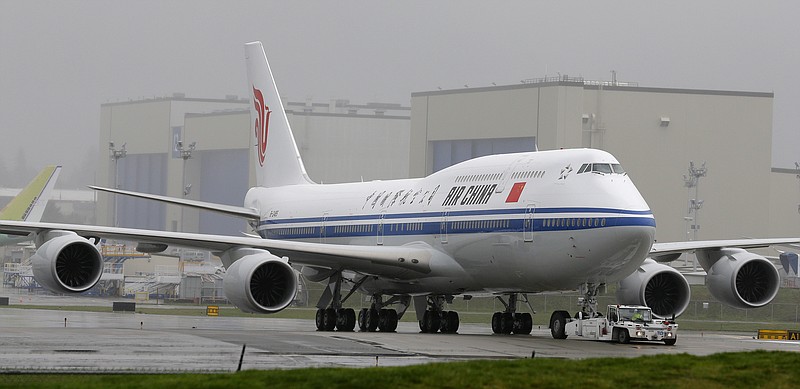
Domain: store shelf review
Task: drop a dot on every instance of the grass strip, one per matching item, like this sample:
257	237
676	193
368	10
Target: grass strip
728	370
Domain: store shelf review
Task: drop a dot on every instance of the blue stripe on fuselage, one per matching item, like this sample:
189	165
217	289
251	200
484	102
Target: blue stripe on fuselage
454	222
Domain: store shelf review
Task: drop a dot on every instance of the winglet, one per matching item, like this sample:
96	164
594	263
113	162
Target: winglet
30	203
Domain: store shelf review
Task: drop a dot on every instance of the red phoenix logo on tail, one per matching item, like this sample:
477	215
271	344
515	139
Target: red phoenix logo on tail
262	124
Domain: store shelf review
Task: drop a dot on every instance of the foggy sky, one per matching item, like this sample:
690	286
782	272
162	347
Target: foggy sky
60	60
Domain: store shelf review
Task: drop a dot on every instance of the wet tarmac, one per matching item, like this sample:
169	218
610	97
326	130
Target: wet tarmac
35	340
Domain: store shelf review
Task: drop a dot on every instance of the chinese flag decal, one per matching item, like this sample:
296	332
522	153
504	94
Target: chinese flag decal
516	191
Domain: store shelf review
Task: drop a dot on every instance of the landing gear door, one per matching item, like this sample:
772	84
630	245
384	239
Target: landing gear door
527	223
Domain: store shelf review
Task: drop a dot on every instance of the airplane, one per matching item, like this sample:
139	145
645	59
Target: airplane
30	203
505	225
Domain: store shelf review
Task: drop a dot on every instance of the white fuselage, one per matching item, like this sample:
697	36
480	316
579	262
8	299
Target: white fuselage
524	222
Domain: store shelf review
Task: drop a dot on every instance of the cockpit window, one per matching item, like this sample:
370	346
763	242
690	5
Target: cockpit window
601	168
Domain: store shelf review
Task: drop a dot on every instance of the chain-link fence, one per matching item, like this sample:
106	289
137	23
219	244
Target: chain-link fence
703	311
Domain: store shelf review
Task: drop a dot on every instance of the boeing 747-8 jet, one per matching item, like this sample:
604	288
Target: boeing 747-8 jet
506	225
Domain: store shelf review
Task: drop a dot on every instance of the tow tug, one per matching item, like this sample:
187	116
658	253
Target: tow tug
622	323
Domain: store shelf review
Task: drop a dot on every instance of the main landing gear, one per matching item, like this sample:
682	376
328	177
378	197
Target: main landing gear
330	313
435	318
510	321
332	316
378	318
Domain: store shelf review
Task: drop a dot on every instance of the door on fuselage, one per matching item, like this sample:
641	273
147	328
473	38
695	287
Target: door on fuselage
443	227
323	232
380	228
527	223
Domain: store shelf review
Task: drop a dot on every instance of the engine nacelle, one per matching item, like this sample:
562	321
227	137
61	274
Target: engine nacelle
67	263
740	278
658	286
260	282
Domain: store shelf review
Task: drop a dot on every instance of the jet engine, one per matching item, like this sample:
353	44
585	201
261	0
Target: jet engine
67	263
259	282
740	278
658	286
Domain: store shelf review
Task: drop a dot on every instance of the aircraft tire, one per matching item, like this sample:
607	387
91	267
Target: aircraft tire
319	320
506	323
372	320
346	320
362	319
525	325
432	322
329	319
387	320
496	318
450	322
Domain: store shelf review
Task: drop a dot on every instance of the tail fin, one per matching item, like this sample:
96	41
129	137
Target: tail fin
278	161
30	203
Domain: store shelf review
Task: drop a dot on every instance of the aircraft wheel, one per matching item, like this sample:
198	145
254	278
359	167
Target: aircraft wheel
432	322
443	324
527	320
393	321
506	323
450	322
372	320
496	318
387	320
523	324
362	319
423	324
346	319
329	319
320	320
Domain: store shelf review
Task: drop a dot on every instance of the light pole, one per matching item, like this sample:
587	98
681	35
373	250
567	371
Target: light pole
797	168
116	155
186	153
693	181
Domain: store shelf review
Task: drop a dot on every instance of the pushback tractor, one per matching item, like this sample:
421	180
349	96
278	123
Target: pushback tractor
622	323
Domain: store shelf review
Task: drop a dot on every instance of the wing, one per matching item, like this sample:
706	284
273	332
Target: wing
667	252
392	261
247	213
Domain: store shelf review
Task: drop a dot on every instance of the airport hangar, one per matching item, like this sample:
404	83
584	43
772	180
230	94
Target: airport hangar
654	132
